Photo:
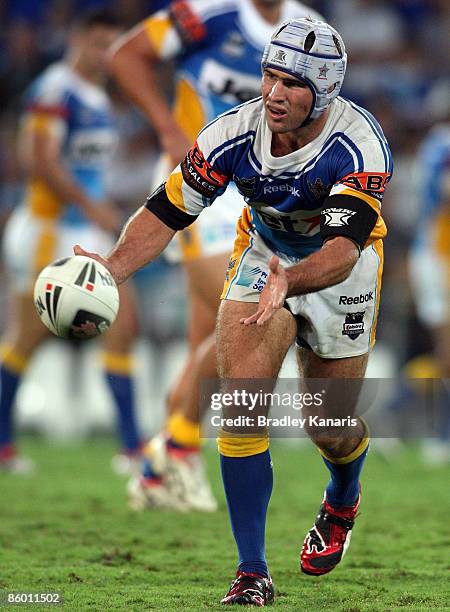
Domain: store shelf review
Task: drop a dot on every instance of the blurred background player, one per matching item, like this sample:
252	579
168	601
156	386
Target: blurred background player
66	141
217	46
430	279
423	379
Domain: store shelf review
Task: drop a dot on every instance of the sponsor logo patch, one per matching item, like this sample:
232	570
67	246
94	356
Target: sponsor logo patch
279	188
247	186
371	183
292	223
252	277
367	181
337	217
323	72
318	188
279	56
353	325
200	175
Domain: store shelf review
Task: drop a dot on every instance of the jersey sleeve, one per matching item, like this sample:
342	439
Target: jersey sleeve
46	109
353	207
174	30
194	184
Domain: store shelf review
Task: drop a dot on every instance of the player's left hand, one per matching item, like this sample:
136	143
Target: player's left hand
272	296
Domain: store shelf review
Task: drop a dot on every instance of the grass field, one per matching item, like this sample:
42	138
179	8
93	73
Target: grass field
68	529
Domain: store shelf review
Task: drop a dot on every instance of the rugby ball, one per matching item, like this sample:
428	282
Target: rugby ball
76	297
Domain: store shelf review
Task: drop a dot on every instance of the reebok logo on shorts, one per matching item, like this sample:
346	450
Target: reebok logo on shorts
359	299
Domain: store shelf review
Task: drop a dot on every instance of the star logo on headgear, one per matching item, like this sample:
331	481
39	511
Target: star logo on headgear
323	71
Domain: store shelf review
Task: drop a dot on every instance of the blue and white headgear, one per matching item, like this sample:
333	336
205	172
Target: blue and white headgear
313	52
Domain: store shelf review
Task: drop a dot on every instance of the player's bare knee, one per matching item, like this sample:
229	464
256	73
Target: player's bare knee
338	441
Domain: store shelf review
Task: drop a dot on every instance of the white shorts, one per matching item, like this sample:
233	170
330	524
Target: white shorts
30	243
336	322
429	278
212	233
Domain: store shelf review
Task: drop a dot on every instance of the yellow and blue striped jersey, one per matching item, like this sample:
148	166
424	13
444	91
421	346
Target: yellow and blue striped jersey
218	45
77	113
434	218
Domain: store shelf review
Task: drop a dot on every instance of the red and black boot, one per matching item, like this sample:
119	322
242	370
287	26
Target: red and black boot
327	542
249	590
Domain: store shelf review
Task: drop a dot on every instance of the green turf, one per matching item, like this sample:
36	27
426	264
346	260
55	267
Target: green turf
68	529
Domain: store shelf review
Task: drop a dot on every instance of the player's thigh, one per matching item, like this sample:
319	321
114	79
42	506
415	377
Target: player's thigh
204	285
252	351
206	276
249	359
122	334
29	244
313	366
24	331
337	383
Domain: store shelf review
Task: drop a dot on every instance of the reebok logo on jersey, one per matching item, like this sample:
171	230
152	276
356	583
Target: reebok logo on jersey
337	217
359	299
277	188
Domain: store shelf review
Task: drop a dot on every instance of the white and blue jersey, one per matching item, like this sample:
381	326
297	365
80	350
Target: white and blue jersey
332	186
430	256
434	162
78	114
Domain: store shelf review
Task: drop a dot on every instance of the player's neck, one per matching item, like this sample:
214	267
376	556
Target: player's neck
283	144
269	12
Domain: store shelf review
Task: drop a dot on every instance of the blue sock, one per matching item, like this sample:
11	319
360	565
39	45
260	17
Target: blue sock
9	381
122	390
248	483
343	488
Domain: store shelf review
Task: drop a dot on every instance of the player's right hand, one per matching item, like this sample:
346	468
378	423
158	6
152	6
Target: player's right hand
78	250
272	296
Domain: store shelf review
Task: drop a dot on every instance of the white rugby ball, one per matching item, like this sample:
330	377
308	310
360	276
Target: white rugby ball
76	297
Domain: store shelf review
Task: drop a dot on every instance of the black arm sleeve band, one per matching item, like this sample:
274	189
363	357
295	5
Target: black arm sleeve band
349	216
159	204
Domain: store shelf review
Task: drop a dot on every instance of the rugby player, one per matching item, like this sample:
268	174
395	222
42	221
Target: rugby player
313	168
430	276
66	141
217	46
